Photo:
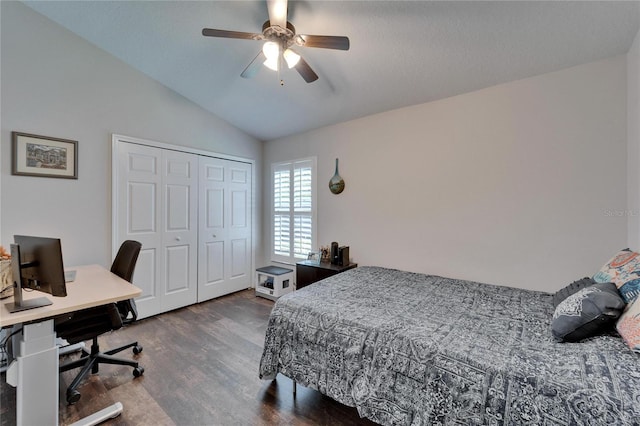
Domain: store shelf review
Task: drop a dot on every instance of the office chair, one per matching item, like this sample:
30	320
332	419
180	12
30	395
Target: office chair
90	323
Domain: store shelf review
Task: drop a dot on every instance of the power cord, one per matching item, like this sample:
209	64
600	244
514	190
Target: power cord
4	353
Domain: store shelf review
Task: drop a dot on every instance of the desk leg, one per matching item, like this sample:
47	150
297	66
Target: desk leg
35	373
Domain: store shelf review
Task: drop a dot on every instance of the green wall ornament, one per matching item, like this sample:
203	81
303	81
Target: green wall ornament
336	184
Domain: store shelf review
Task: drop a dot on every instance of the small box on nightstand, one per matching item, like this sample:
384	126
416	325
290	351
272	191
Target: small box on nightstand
273	282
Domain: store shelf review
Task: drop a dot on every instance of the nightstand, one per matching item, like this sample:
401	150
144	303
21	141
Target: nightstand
309	271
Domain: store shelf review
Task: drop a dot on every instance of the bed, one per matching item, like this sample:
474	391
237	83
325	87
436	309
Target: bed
414	349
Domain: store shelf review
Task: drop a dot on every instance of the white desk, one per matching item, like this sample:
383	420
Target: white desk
37	354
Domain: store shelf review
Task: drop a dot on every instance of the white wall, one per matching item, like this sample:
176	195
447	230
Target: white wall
633	135
510	185
56	84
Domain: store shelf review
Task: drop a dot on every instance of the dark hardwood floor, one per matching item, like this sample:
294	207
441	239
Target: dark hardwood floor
201	368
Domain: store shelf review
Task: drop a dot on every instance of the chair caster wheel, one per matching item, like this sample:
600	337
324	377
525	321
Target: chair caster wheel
73	396
138	371
137	349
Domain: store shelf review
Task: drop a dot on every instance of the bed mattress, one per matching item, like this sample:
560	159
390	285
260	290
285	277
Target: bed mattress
415	349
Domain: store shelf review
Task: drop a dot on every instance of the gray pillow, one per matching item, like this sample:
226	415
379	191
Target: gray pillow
572	288
587	313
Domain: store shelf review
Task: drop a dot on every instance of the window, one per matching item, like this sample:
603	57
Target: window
293	210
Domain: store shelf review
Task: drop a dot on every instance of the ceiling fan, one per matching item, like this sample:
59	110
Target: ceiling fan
280	36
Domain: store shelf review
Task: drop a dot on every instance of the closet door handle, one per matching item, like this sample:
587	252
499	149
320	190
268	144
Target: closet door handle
177	238
214	236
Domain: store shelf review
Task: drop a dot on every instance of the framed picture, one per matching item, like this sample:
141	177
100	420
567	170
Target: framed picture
314	256
35	155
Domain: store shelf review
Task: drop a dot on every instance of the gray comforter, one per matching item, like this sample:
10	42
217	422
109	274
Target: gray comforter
413	349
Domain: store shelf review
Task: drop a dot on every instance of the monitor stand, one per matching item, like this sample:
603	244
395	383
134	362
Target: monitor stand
28	304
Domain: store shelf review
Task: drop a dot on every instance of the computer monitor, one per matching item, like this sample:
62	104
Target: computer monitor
37	265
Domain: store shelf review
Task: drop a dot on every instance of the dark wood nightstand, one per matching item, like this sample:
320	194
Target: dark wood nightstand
309	271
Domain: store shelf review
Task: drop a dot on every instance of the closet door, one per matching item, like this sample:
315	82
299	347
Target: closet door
224	264
157	205
180	229
138	216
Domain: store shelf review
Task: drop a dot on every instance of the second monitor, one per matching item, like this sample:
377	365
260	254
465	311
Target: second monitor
37	265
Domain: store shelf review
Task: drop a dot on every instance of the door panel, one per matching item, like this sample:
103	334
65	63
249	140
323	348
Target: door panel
213	172
141	162
238	258
225	234
177	264
212	263
145	274
238	175
180	236
178	207
238	209
138	193
240	225
214	209
142	211
215	263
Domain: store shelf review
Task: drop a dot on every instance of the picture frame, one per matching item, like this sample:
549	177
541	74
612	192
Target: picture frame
314	257
43	156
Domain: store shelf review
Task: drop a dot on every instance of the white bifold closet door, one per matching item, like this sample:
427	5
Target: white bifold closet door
224	264
158	206
193	215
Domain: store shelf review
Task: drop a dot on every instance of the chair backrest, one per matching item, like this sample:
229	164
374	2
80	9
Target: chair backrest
125	262
123	266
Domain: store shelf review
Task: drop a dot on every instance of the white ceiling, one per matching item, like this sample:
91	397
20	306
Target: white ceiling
402	53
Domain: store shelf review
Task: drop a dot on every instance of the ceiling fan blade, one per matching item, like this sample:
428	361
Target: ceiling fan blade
305	71
210	32
277	12
254	66
324	42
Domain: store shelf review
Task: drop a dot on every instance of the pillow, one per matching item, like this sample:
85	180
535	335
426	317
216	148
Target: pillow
624	271
572	288
629	325
587	313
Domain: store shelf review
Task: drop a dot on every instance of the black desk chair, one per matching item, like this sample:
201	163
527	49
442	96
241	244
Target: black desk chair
90	323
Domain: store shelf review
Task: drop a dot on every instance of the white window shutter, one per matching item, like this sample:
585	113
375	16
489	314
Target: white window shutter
302	236
294	210
282	235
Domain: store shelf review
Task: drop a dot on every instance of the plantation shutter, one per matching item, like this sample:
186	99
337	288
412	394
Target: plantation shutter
282	209
293	210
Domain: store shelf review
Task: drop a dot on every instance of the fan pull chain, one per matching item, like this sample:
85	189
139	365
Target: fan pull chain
280	63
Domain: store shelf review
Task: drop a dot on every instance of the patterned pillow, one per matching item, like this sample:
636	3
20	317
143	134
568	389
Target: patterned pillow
629	325
572	288
587	313
624	271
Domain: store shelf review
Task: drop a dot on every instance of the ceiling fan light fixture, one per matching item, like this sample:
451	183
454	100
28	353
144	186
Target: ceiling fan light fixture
271	50
291	57
271	63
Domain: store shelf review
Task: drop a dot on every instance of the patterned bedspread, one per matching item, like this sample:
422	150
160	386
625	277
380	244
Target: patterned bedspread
414	349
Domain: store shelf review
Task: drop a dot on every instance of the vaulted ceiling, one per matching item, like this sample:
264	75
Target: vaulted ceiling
402	52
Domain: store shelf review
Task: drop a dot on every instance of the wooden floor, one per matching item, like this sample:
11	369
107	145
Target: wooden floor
201	368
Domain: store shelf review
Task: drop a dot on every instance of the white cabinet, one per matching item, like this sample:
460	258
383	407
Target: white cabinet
273	282
193	215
